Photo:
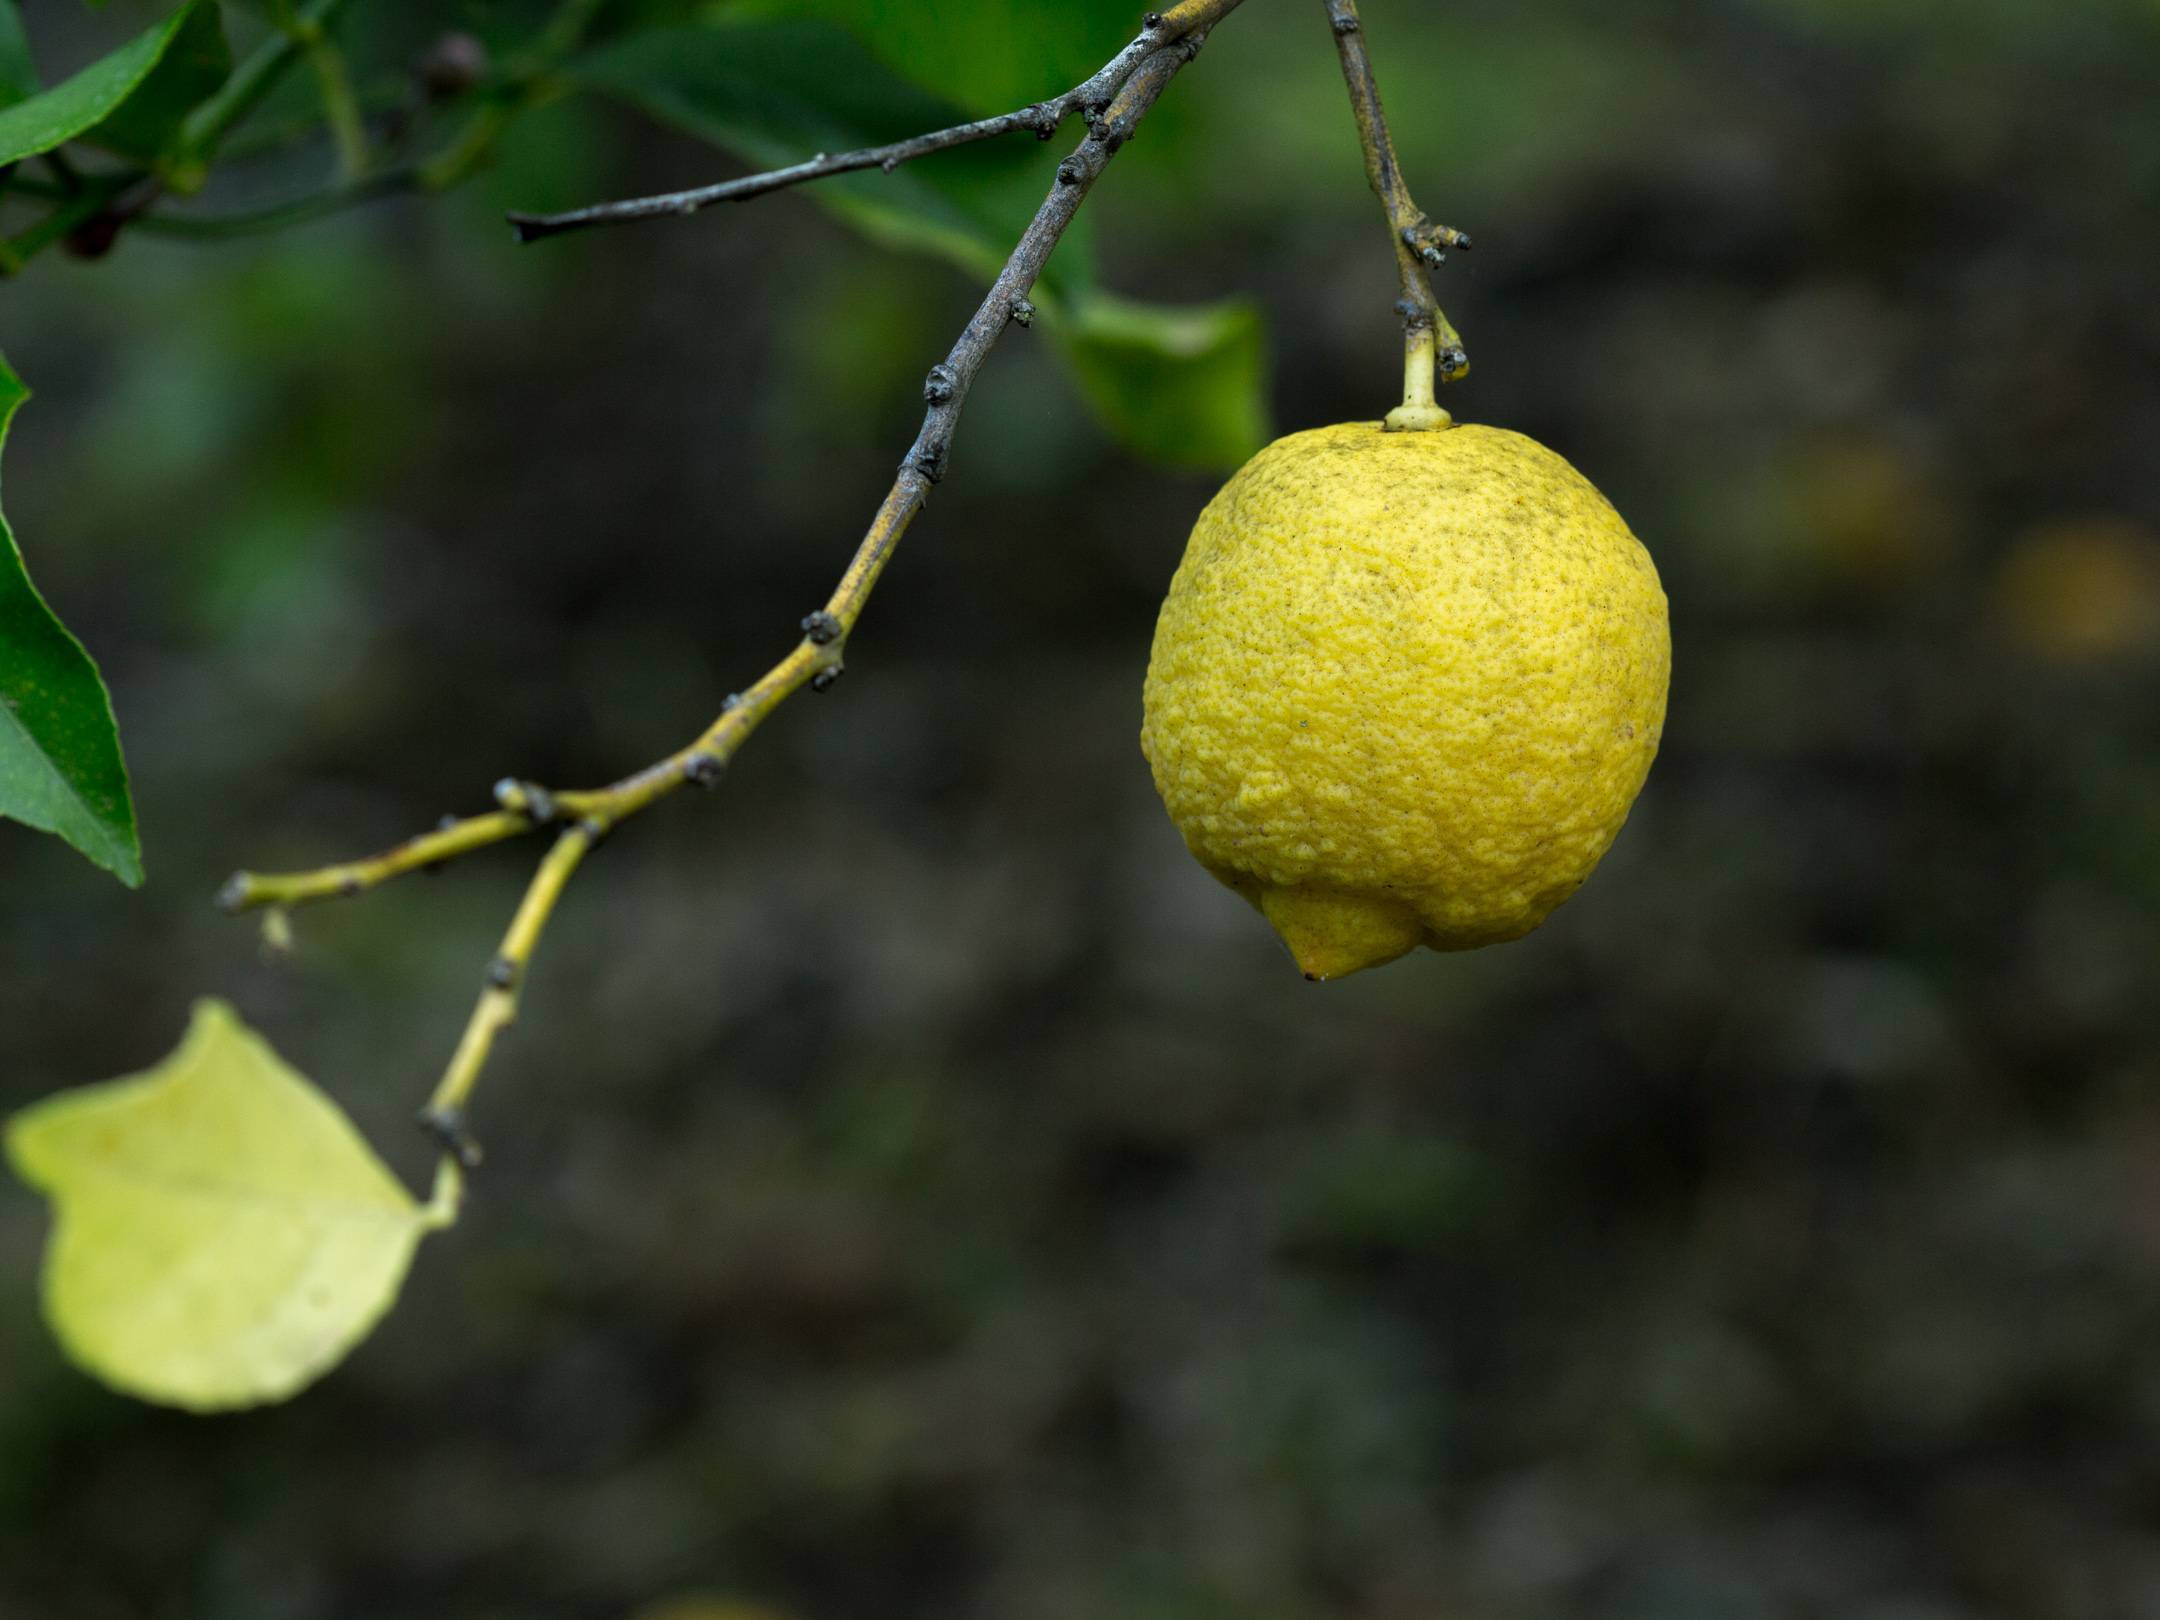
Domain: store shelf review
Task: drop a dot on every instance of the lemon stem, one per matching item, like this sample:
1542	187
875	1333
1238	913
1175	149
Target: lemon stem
1420	411
1421	243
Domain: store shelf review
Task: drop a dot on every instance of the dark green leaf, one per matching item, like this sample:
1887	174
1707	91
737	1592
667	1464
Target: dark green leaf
98	97
60	765
987	55
1183	385
18	74
194	64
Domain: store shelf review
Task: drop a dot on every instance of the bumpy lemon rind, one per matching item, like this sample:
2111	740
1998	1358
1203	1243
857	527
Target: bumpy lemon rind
1405	688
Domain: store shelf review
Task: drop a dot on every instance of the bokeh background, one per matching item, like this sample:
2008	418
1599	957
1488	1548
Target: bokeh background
915	1189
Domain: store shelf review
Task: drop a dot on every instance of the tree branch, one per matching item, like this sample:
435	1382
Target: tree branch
1043	119
253	80
816	661
1430	343
280	216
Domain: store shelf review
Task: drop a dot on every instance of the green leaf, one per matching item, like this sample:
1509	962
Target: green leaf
223	1235
18	74
988	56
194	64
1186	386
97	102
60	765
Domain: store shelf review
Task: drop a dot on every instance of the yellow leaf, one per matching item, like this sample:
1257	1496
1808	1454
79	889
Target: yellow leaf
223	1234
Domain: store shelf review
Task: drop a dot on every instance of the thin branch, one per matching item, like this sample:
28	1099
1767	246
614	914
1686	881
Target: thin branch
453	838
1430	344
448	167
341	106
816	661
524	83
278	216
1043	119
444	1115
75	211
253	80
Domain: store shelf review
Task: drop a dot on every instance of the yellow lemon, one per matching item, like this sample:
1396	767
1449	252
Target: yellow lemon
1405	688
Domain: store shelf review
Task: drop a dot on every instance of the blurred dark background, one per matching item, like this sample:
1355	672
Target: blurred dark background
915	1189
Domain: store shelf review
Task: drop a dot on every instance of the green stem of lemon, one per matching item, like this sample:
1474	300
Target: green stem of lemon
1420	411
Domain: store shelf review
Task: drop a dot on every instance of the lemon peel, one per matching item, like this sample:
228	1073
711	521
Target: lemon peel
1405	688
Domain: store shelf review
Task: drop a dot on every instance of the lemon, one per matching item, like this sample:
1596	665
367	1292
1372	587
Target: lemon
1405	688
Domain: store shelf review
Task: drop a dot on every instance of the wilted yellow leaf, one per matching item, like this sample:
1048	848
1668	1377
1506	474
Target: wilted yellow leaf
223	1235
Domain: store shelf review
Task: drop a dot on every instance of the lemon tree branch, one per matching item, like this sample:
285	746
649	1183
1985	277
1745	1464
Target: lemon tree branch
1043	118
1431	345
816	661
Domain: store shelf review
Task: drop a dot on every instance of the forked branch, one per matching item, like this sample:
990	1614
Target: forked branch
1043	119
1169	40
1431	345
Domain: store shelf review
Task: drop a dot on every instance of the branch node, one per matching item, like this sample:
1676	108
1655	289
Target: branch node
235	893
447	1129
594	830
1022	312
528	799
1346	25
940	386
828	677
1071	172
704	770
502	973
1428	235
823	628
730	703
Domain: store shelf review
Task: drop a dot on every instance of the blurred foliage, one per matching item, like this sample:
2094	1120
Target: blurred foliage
131	100
1183	385
915	1191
